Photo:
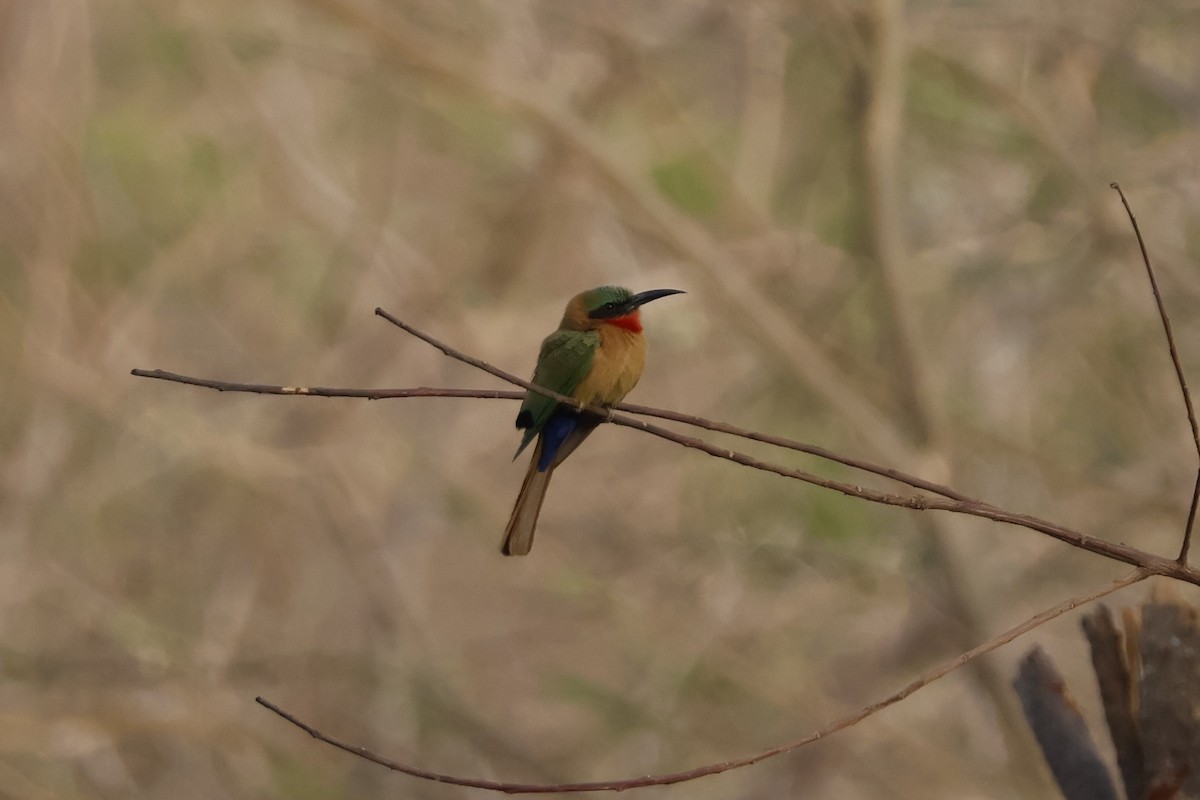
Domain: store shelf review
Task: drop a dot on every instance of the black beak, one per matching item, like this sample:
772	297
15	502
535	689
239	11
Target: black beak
641	298
618	310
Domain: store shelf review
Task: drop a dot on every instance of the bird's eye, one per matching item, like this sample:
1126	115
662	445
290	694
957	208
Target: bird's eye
605	310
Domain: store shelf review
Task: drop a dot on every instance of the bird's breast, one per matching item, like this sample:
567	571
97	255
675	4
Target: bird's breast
616	366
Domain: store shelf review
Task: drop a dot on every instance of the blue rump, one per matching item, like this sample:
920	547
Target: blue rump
560	425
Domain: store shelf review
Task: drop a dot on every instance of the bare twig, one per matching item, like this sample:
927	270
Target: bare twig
323	391
1183	387
1118	552
849	720
699	422
490	394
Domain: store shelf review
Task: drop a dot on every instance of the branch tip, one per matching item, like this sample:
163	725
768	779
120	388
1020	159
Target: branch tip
1183	386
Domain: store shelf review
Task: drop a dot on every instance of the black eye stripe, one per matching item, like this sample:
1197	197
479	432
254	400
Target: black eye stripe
607	309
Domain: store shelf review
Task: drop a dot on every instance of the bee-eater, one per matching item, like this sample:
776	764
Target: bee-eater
596	356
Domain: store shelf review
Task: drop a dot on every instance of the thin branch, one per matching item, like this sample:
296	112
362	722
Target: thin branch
1183	387
1119	552
801	447
490	394
845	722
323	391
1191	521
686	419
500	394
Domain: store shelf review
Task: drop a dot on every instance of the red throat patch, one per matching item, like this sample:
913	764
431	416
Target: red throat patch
630	322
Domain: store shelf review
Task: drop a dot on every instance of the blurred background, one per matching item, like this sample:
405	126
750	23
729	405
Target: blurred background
896	231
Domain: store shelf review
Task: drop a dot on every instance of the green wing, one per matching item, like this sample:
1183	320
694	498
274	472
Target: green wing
563	363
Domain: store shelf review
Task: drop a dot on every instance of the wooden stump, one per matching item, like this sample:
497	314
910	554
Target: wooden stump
1149	678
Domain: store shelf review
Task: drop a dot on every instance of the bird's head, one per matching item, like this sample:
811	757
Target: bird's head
613	305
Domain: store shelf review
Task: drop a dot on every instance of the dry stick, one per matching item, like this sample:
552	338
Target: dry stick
500	394
646	411
724	766
802	447
686	419
323	391
1183	387
1130	555
1119	552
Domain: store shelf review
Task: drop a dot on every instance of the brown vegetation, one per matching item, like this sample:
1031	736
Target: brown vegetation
896	231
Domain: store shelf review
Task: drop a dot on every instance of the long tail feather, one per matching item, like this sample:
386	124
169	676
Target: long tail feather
518	536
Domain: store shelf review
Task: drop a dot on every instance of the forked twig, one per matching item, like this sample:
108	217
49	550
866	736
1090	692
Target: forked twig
1120	552
951	500
1183	387
837	726
491	394
687	419
323	391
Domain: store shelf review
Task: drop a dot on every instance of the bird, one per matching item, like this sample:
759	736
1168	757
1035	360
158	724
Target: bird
595	357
